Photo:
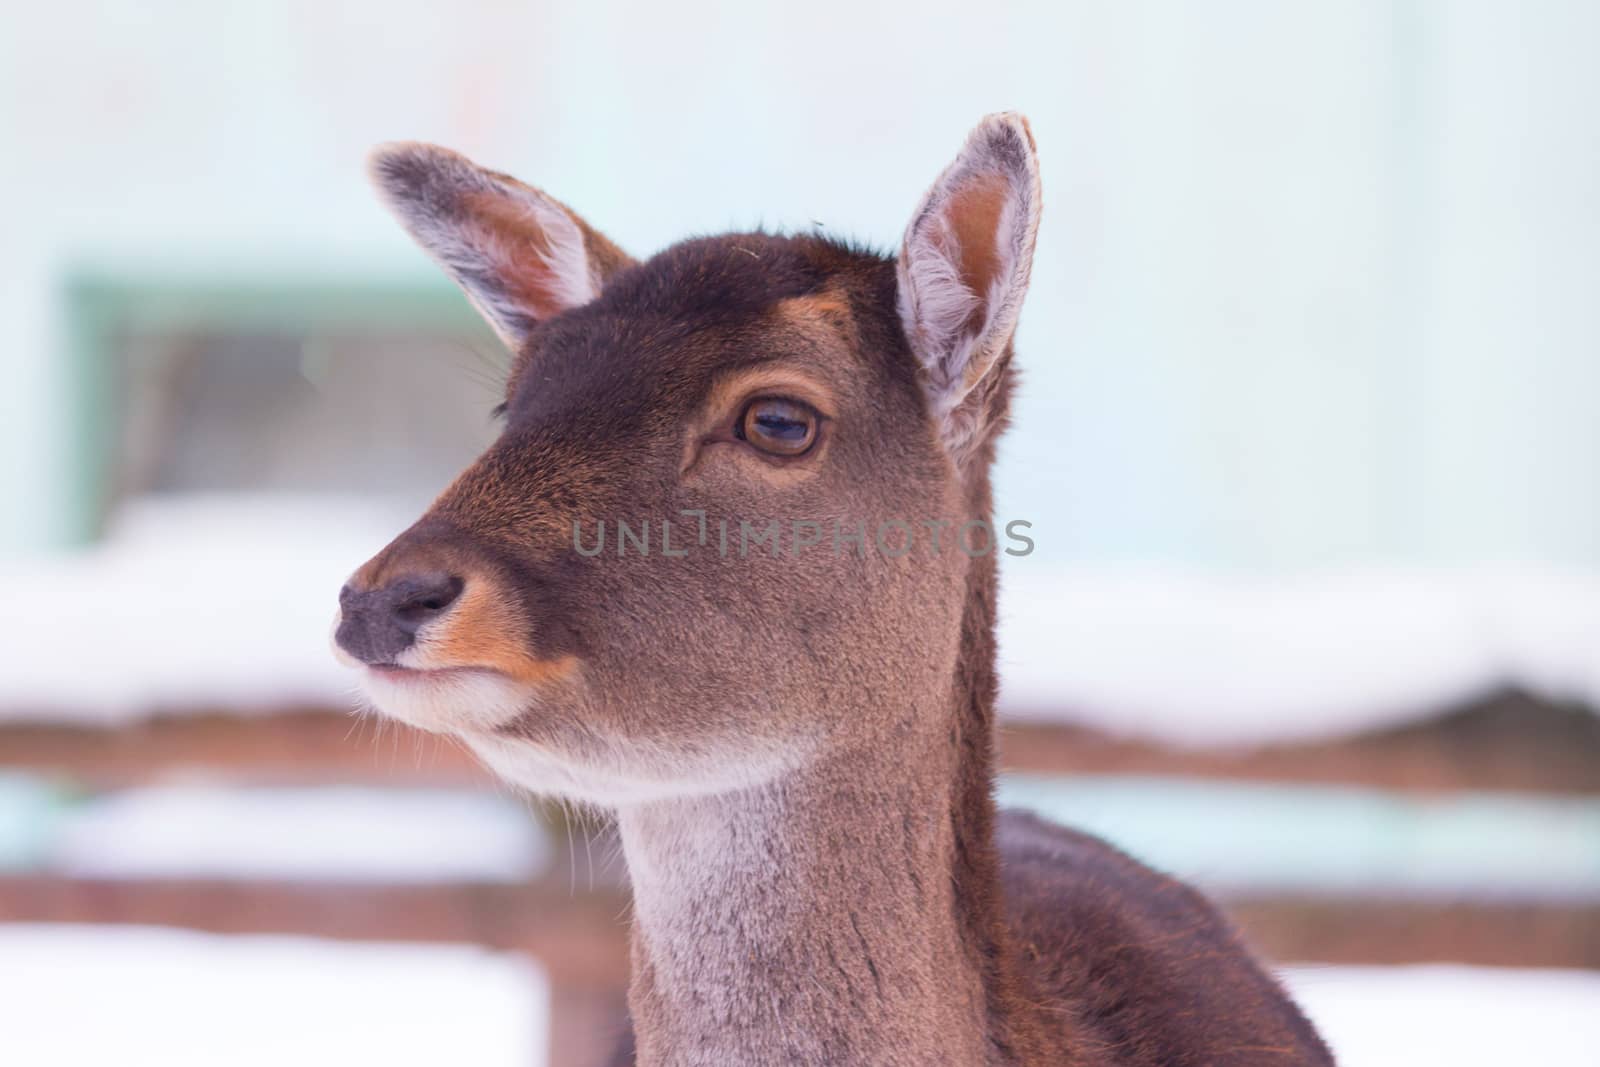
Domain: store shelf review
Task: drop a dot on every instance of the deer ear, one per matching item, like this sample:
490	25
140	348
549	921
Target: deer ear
963	272
521	256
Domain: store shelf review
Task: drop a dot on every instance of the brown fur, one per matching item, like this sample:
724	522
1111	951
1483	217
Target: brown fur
799	748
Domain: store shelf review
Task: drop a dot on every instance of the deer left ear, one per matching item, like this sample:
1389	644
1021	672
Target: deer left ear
963	272
521	256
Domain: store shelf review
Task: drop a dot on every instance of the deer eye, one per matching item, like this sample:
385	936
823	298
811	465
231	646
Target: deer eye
779	427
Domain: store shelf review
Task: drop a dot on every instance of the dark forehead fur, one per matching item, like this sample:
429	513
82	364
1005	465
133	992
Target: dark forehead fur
702	305
709	278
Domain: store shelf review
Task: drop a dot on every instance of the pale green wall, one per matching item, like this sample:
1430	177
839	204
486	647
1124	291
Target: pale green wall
1316	283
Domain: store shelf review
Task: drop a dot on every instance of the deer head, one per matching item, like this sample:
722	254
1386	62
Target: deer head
726	527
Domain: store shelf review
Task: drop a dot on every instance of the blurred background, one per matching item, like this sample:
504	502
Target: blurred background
1309	438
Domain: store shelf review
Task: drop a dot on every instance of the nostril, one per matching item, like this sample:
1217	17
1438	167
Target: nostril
377	625
417	600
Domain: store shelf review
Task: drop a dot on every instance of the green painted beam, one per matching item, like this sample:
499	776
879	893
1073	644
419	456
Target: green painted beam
32	812
292	304
1243	839
104	306
1235	836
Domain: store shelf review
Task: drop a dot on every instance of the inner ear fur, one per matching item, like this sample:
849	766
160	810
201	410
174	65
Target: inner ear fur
520	255
963	272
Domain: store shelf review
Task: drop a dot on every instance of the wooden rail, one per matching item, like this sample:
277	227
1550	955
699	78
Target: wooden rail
1506	741
578	935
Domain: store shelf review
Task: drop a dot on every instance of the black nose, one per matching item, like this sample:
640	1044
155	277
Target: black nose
376	625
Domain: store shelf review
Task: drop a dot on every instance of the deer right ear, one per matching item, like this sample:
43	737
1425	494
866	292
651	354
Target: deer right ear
963	272
521	257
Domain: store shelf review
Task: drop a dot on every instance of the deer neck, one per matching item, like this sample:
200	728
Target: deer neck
845	913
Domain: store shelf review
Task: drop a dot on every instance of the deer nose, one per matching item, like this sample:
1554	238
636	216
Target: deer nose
376	625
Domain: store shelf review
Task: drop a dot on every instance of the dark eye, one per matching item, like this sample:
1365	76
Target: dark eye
779	427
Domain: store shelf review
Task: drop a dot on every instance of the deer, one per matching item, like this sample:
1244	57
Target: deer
796	740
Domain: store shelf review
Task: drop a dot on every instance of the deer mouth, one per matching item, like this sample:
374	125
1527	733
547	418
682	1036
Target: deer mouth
396	672
462	700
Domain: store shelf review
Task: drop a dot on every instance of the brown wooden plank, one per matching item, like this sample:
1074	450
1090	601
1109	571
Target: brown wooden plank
1508	741
578	936
1505	742
1490	934
289	746
587	1024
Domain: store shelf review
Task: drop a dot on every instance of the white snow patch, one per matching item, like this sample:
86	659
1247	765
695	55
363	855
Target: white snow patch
223	603
118	994
1461	1016
1206	660
195	602
133	995
319	834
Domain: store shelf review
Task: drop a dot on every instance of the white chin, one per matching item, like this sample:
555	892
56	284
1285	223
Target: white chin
447	701
540	770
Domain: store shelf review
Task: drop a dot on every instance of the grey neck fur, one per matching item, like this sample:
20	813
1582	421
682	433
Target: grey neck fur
809	920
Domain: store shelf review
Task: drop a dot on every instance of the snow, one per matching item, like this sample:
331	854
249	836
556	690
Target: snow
339	834
1204	660
203	602
223	602
1461	1016
80	995
140	995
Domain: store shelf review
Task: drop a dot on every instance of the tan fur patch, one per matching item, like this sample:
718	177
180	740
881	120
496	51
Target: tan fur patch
485	629
827	309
